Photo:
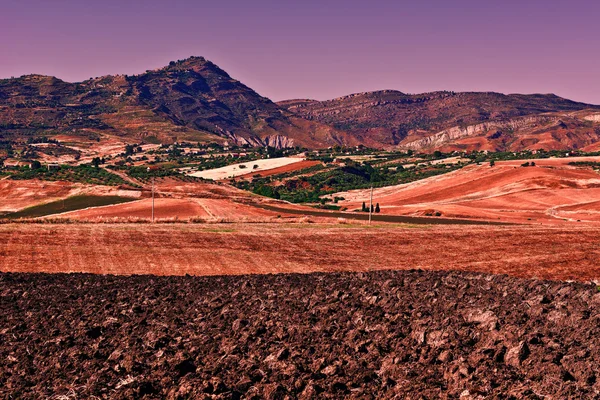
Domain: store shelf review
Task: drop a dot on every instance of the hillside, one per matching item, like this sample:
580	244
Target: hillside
553	191
457	121
192	100
196	101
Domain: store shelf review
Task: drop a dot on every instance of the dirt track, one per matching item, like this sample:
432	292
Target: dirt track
380	335
177	249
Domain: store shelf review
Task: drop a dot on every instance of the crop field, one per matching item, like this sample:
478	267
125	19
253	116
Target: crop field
66	205
566	253
550	192
234	170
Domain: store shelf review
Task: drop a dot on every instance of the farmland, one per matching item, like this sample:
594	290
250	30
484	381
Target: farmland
66	205
371	335
565	252
234	170
458	288
551	191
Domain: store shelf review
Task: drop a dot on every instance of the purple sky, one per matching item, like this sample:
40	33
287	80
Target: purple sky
318	49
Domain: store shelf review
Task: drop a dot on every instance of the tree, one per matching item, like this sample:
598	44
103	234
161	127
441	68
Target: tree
129	150
437	154
96	161
372	208
492	163
36	164
364	207
377	208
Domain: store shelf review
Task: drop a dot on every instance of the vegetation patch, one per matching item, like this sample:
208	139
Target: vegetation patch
348	177
69	204
81	174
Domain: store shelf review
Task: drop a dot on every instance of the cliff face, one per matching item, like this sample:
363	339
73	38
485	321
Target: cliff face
454	133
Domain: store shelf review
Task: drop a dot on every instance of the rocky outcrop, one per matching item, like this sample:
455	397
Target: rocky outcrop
593	117
457	132
276	141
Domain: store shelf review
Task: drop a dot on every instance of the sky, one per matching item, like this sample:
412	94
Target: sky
323	49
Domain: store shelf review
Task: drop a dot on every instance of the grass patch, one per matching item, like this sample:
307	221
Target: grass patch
220	230
68	204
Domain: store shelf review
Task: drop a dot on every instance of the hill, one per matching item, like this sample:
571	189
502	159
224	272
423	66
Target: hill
555	190
457	121
191	100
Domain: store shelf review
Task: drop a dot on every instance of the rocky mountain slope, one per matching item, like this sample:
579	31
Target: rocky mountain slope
191	99
482	121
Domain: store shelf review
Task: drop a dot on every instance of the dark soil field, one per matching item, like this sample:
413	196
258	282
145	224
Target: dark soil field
404	334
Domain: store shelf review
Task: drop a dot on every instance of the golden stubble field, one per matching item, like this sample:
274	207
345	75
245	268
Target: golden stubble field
561	252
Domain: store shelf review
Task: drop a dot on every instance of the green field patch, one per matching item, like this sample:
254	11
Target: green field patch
220	230
69	204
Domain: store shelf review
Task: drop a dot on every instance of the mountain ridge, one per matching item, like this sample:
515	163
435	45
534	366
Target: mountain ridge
195	100
395	119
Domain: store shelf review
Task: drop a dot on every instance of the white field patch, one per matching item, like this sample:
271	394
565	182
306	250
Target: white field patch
234	170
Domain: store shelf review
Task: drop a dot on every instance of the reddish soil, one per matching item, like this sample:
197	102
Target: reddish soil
16	195
506	192
381	335
281	170
163	209
565	252
169	209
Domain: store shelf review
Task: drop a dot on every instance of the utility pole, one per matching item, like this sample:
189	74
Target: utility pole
152	196
371	205
152	199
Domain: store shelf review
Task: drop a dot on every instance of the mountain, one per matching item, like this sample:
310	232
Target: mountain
457	121
195	100
191	99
